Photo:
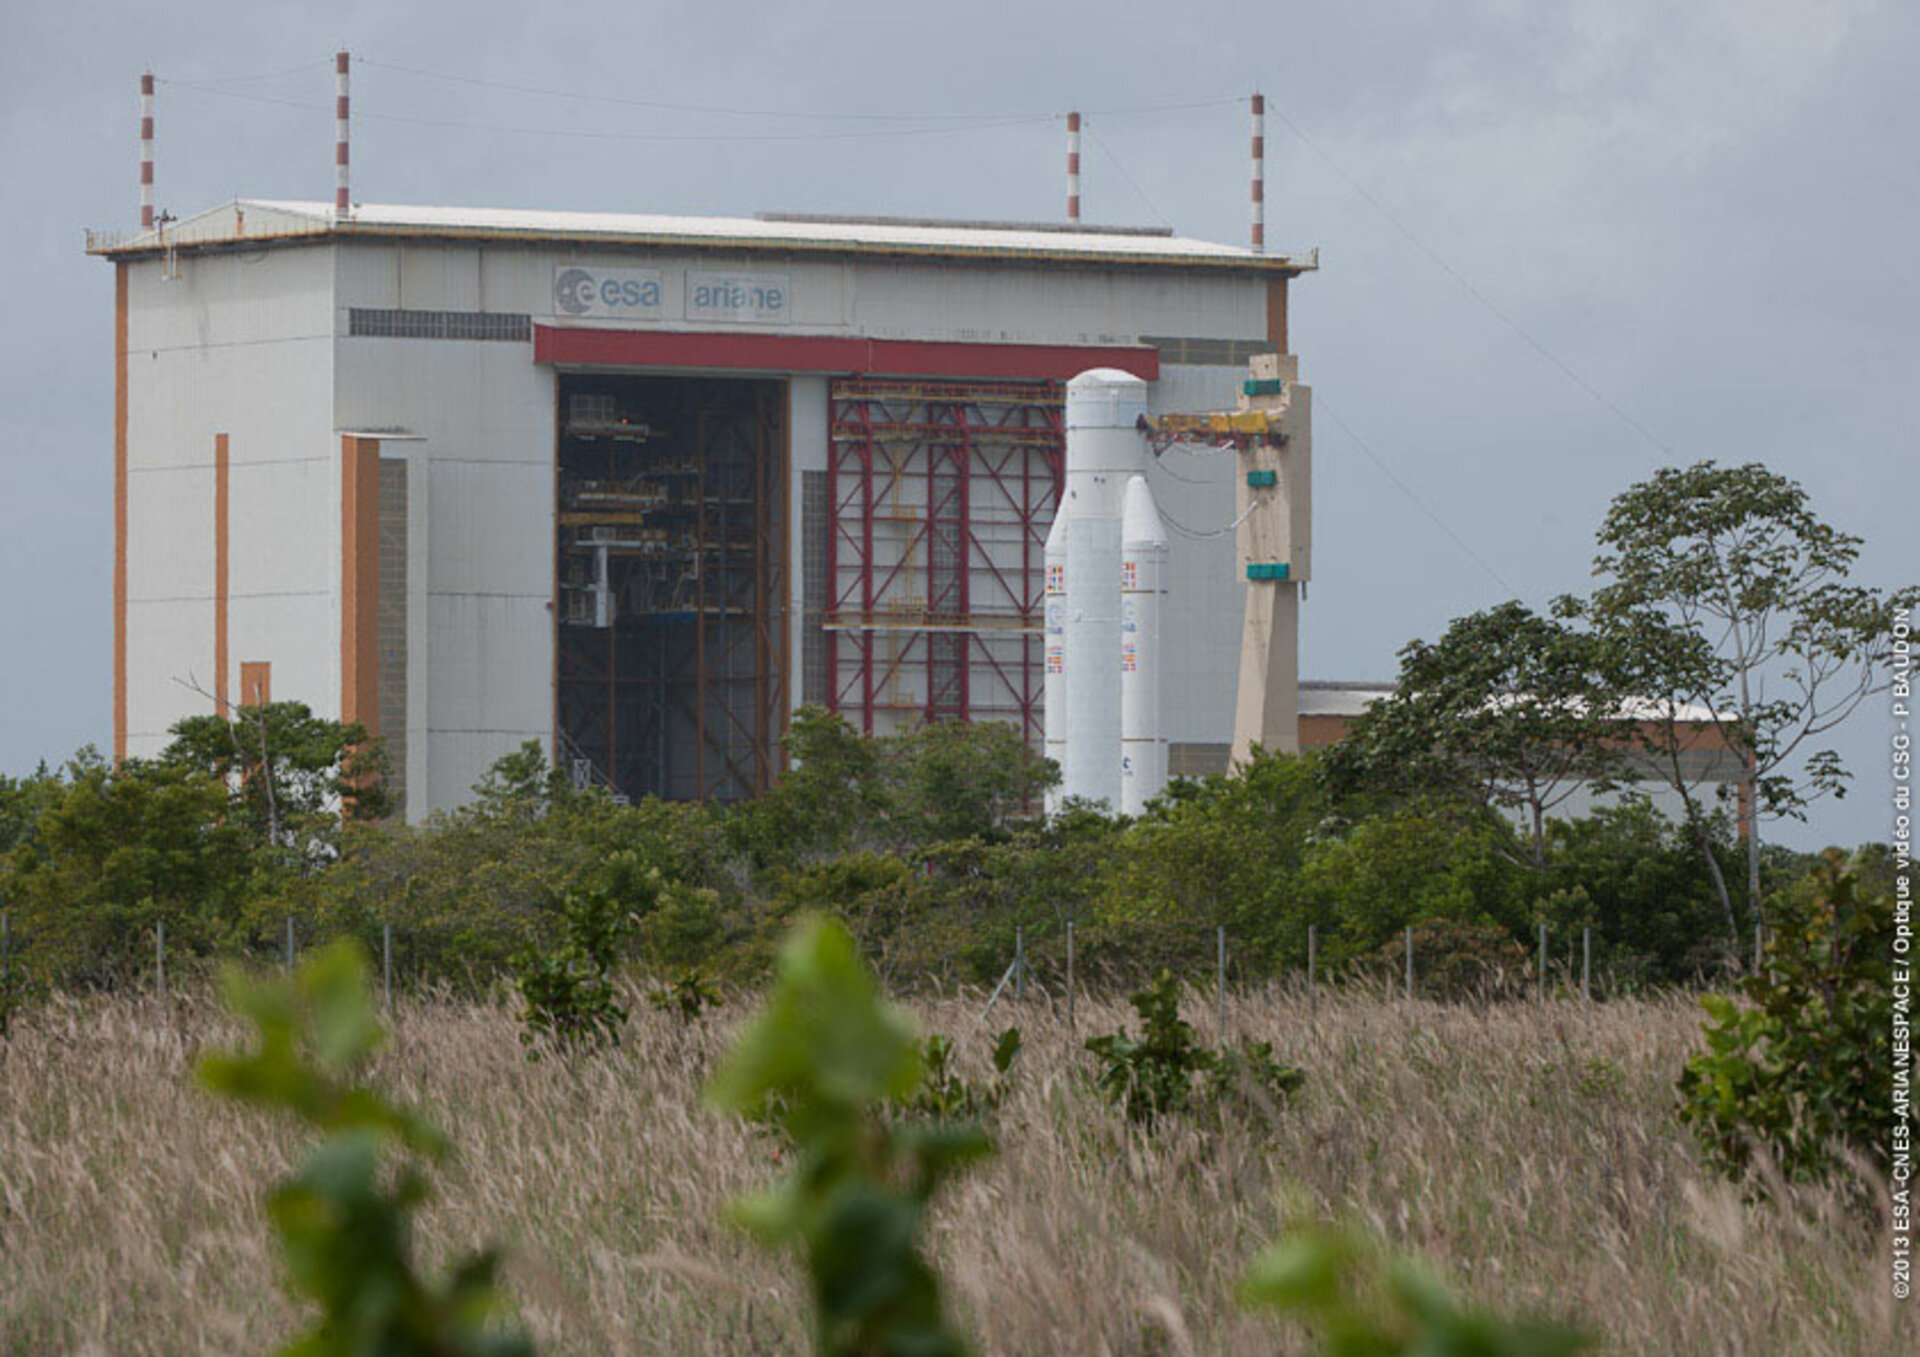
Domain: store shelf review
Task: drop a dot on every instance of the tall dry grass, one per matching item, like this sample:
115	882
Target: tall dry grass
1530	1155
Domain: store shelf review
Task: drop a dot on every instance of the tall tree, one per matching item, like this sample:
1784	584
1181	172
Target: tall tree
1730	600
291	776
1508	708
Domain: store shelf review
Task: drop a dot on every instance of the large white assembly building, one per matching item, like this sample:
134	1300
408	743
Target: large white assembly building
638	486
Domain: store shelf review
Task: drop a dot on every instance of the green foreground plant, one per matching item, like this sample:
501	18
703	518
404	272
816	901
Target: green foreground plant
1364	1303
820	1065
344	1222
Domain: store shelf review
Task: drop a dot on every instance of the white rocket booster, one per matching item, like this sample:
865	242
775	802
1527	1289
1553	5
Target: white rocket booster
1092	769
1104	449
1143	593
1054	668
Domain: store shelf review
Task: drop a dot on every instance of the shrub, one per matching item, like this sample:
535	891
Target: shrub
946	1095
819	1064
688	995
1456	961
1152	1075
568	994
1166	1070
1803	1067
1249	1074
345	1227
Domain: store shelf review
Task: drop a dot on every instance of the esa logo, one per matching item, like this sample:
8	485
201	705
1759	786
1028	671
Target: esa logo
605	292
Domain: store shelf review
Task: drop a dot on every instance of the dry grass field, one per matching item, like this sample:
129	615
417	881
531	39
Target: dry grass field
1529	1155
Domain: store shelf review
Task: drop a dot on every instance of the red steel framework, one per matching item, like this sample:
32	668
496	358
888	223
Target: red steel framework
939	498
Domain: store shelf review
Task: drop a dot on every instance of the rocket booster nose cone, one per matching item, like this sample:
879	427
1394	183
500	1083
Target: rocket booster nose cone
1140	519
1105	398
1057	534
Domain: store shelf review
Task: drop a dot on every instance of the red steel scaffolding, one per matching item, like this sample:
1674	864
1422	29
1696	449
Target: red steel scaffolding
939	498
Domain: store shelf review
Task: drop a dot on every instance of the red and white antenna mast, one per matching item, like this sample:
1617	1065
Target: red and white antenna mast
1259	174
1073	167
146	151
342	197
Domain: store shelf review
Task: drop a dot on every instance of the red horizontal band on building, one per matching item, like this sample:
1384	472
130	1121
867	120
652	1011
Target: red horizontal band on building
832	353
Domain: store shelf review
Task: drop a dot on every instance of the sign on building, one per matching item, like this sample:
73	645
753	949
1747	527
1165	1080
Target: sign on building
616	294
754	298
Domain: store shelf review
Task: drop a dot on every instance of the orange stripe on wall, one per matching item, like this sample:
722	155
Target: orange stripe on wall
256	683
1277	314
119	513
220	574
360	581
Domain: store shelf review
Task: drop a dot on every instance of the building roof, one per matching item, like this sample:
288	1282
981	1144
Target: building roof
1331	697
1334	697
254	221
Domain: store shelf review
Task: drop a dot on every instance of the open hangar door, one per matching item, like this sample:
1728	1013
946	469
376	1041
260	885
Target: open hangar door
671	590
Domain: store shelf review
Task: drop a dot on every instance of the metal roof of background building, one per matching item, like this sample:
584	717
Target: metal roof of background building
254	221
1341	697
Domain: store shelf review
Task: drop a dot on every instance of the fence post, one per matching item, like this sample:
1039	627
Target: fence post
1313	958
1586	963
1220	979
1409	961
386	963
1069	975
1019	965
289	944
160	958
1543	963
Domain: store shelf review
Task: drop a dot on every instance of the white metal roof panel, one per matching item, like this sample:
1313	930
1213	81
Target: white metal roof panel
250	218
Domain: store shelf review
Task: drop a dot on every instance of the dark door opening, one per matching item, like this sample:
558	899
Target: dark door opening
672	589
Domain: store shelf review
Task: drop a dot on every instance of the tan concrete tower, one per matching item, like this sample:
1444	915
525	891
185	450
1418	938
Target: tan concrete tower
1270	431
1275	541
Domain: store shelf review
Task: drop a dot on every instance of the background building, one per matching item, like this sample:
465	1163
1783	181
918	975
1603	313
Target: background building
1711	767
638	486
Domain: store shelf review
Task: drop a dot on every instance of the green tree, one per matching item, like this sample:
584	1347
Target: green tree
943	782
1653	904
1508	709
523	786
1425	863
470	888
952	780
825	802
116	851
291	776
1220	850
24	800
1729	601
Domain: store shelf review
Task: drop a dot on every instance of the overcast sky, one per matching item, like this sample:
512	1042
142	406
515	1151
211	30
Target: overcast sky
1703	211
